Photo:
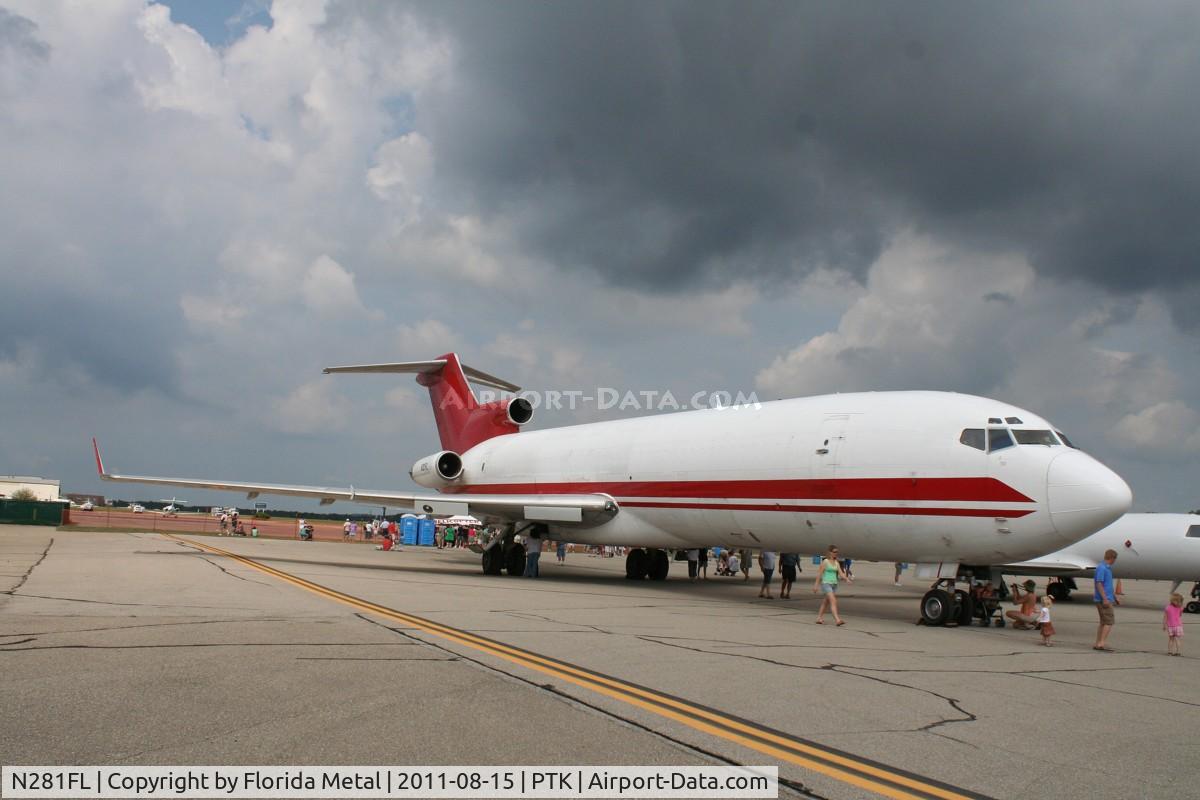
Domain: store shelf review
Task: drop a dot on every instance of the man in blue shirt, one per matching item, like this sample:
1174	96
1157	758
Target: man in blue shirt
1105	599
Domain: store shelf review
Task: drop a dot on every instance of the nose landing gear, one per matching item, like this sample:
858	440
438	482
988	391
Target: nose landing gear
947	605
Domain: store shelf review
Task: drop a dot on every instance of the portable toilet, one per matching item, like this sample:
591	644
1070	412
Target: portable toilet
408	529
425	532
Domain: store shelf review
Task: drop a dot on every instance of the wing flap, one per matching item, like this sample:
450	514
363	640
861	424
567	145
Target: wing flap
1050	567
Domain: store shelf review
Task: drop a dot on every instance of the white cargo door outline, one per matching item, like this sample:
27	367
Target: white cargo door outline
826	446
824	458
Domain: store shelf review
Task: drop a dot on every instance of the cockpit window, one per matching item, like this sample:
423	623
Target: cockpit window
995	421
1065	440
974	437
1193	532
1013	420
998	439
1035	437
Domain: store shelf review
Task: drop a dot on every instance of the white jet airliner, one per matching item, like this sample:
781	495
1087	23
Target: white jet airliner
936	478
1156	547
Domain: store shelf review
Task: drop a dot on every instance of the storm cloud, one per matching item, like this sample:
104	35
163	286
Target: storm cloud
202	210
664	144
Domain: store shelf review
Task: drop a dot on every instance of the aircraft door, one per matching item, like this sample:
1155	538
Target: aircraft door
824	459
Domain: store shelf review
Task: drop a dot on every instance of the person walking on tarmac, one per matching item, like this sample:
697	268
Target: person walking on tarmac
827	583
788	564
533	553
1105	598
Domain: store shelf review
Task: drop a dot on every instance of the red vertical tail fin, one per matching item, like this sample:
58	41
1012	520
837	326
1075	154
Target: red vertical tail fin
462	421
454	403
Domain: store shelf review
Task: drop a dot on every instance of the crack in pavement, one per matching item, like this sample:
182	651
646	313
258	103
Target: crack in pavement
28	572
4	649
147	625
723	643
795	786
1114	691
530	615
230	574
1001	671
115	603
841	669
335	658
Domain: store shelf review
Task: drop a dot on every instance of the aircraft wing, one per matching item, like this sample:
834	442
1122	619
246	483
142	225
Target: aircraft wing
582	510
1056	565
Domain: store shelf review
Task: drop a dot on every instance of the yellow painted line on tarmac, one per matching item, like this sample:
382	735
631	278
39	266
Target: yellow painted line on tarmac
862	773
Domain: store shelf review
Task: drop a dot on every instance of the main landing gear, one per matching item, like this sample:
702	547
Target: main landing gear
651	563
505	554
1061	588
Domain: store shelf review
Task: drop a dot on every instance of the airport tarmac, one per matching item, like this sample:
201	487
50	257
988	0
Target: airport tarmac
146	648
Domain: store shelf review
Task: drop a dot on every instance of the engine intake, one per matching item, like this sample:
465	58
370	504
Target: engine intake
438	470
520	410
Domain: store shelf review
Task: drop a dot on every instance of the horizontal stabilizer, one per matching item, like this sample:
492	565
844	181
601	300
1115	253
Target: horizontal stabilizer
428	367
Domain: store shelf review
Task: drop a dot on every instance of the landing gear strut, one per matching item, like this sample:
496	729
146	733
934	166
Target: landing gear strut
505	554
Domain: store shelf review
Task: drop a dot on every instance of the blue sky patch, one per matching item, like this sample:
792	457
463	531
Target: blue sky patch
220	22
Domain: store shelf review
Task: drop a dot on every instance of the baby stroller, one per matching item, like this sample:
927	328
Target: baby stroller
1193	607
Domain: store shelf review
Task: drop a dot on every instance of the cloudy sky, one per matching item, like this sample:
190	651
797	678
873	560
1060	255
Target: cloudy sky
204	203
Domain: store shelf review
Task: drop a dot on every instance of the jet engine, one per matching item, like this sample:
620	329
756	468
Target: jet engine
519	410
438	470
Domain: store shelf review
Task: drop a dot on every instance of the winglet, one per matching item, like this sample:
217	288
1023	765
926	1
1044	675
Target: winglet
99	463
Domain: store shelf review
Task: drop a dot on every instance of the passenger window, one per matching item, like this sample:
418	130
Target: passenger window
1036	437
998	439
1193	532
1065	440
973	437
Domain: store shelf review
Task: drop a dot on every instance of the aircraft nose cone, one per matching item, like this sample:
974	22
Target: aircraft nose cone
1084	495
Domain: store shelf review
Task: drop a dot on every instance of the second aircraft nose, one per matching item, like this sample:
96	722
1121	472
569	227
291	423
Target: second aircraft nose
1084	495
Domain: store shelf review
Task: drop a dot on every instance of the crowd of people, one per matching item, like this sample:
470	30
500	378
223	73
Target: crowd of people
232	525
1036	613
1031	612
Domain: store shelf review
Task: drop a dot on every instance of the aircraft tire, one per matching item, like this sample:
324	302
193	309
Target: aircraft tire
514	560
936	606
493	561
1059	591
964	607
1192	607
660	565
635	564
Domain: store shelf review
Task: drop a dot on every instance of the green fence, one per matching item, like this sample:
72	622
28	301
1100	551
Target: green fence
22	512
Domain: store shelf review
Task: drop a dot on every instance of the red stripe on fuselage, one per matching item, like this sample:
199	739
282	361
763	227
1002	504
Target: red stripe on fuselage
898	510
979	490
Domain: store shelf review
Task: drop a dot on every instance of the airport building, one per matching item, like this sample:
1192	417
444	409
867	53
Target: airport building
79	498
45	489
